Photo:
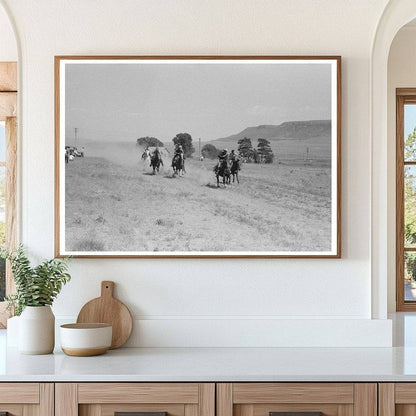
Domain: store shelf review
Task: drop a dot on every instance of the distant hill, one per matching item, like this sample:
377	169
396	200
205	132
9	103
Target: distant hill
286	130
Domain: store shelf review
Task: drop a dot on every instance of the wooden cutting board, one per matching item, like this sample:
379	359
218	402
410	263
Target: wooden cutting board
107	309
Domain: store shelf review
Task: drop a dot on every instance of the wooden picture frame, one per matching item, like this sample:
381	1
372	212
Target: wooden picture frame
86	87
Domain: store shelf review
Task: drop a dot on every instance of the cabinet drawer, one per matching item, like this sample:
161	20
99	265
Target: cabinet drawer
297	399
153	399
21	399
143	409
138	393
19	393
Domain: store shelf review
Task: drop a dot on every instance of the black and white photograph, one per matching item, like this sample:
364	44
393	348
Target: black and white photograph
204	157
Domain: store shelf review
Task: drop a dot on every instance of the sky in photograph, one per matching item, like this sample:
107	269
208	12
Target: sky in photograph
122	102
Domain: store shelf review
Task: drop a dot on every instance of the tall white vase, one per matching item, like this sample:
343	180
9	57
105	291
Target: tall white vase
37	330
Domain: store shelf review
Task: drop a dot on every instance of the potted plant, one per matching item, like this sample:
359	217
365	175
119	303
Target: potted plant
36	289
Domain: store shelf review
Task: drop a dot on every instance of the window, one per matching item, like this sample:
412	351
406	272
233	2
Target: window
8	172
406	199
2	206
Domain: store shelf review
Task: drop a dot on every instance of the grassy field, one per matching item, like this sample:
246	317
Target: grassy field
114	203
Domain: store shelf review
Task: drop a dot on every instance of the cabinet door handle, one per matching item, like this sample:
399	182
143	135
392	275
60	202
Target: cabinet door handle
137	414
296	414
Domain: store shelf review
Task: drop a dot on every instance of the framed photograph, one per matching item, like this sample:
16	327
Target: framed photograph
198	156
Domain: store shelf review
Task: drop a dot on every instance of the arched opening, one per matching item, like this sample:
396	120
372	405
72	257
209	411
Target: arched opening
395	16
8	148
401	113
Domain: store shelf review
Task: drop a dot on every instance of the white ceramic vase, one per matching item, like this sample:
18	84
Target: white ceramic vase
37	330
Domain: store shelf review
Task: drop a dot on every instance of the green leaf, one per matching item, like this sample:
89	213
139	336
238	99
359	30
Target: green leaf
35	286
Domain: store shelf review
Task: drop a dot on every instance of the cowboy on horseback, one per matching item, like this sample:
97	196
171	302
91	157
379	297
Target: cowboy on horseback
178	160
223	157
222	168
234	156
146	154
157	155
235	165
156	160
179	152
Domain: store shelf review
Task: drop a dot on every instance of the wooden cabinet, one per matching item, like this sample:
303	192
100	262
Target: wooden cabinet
106	399
397	399
296	399
208	399
27	399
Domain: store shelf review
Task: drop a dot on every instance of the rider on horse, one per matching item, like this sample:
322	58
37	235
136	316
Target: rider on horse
234	156
223	158
178	160
222	168
157	156
179	151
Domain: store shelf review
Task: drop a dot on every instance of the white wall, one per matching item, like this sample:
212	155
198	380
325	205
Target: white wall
401	74
179	302
8	47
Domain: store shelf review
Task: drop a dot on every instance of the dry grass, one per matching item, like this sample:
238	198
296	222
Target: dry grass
278	207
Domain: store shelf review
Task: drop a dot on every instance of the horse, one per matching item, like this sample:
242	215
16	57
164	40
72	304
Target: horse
145	156
178	165
235	167
222	169
156	161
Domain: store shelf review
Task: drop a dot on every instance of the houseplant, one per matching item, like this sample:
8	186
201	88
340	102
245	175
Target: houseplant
36	289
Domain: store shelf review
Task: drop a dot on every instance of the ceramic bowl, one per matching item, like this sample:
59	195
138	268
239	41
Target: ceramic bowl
84	340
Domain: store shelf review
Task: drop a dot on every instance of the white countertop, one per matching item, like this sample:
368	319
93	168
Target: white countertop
213	364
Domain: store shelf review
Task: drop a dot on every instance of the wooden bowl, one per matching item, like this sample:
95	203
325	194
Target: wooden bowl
85	340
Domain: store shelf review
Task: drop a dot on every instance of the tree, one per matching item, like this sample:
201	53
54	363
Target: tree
410	205
149	141
256	156
2	261
245	149
209	151
2	280
184	139
410	266
2	234
264	151
410	146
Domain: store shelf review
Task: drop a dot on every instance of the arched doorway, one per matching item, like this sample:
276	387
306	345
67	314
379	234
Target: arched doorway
396	14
